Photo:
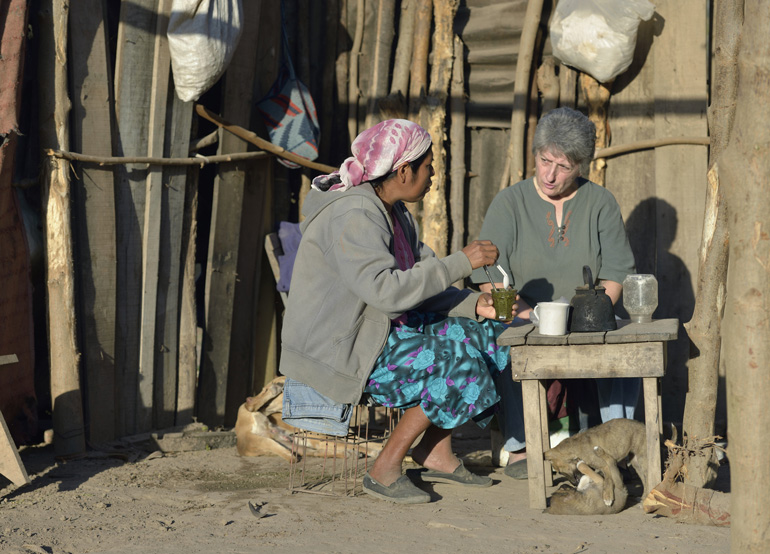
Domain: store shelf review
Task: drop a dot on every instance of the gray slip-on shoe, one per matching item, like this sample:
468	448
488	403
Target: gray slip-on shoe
460	476
401	491
517	470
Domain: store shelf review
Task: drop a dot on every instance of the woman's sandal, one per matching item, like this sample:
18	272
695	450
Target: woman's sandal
460	476
401	491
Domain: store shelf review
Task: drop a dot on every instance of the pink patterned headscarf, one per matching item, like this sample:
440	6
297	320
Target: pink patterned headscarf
377	151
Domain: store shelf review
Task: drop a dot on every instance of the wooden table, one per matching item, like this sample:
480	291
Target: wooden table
633	350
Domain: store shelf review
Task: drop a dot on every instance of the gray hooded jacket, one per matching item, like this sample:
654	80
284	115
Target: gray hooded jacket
346	287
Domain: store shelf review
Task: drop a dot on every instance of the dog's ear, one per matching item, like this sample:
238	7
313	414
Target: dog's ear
548	455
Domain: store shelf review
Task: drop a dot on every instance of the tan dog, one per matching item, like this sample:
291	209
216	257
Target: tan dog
260	431
257	433
588	497
620	439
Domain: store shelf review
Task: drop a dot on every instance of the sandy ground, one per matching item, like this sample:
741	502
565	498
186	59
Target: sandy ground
198	501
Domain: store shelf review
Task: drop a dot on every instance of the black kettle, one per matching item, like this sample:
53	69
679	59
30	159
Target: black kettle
591	307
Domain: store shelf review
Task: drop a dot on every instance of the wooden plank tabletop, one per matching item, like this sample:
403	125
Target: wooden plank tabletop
521	333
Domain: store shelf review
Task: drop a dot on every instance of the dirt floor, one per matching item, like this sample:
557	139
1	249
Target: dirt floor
128	500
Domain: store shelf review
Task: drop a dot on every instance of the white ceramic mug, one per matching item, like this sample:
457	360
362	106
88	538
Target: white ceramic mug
552	318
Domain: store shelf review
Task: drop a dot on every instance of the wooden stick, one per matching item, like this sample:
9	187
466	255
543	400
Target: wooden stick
648	144
515	157
122	160
252	137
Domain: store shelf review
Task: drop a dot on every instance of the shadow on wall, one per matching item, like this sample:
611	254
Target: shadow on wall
652	228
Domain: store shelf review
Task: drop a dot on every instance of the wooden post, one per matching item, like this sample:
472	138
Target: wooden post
418	82
133	84
172	256
743	167
457	145
69	437
226	349
353	90
383	45
188	321
94	198
597	97
10	462
435	224
161	63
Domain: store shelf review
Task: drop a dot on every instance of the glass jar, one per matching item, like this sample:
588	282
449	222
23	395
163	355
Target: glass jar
640	297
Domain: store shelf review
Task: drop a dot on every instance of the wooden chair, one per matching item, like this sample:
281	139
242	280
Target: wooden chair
345	459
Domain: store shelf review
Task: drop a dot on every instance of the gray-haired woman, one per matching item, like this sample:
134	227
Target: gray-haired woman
547	228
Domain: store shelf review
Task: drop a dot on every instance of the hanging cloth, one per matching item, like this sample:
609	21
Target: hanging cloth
288	110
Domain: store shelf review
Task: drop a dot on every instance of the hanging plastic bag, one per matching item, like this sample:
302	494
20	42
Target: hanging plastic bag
289	112
202	36
598	37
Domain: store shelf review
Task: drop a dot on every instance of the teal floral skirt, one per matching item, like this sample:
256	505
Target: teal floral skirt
446	365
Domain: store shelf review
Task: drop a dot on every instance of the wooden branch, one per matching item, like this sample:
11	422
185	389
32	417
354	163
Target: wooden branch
514	163
123	160
686	503
611	151
208	140
268	146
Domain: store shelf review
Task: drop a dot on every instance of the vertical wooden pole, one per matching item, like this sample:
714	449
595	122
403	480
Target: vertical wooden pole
418	71
95	213
515	156
133	84
435	223
69	436
353	90
457	145
188	321
226	349
161	63
172	255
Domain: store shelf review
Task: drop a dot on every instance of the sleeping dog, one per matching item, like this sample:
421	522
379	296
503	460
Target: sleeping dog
588	497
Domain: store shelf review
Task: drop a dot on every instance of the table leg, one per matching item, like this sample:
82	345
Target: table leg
545	433
652	417
530	394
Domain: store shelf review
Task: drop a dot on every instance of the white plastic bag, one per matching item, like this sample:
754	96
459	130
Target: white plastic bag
202	36
598	37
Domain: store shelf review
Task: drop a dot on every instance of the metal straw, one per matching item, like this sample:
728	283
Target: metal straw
492	282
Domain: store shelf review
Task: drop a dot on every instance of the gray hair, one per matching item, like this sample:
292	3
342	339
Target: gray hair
568	132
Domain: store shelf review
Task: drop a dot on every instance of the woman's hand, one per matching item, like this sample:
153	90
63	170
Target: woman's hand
485	307
481	253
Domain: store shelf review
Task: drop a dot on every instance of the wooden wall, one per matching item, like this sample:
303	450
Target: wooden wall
167	253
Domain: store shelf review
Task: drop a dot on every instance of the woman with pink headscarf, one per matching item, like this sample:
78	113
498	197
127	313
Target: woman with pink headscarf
372	311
